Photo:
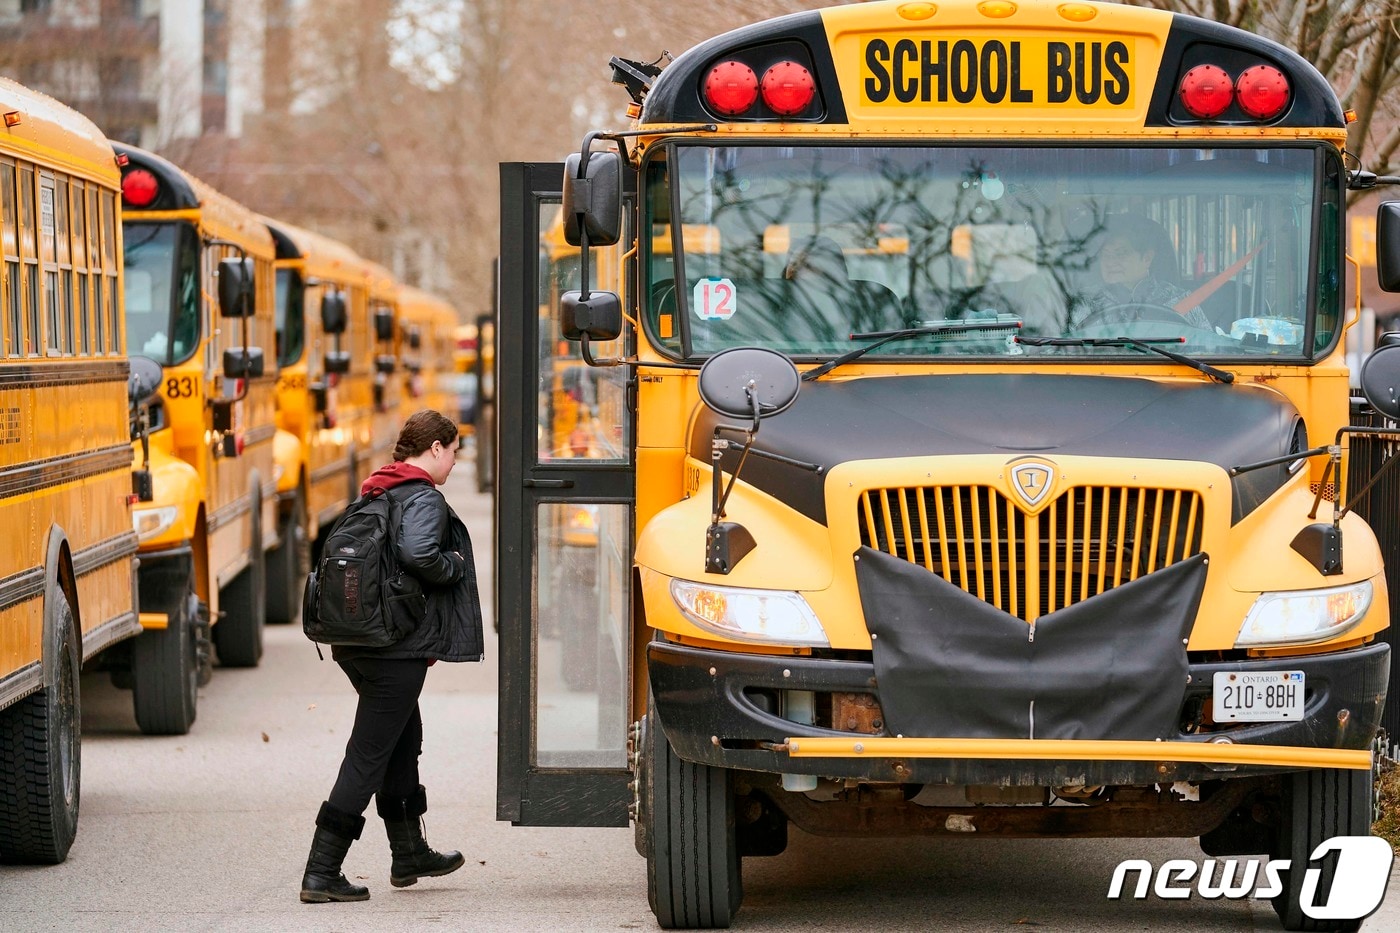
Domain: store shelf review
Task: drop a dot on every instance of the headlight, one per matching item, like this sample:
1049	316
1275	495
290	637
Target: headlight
1304	616
148	523
769	616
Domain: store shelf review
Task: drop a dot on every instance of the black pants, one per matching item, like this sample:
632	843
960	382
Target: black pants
382	754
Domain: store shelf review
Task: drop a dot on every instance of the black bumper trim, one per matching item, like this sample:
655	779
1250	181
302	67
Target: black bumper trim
709	719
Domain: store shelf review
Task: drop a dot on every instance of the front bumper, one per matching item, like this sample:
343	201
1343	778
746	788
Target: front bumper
711	705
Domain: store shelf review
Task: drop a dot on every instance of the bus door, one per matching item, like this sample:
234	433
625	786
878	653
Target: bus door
565	497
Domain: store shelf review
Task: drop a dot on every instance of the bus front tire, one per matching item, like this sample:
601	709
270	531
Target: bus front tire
40	759
287	566
165	672
693	866
1315	806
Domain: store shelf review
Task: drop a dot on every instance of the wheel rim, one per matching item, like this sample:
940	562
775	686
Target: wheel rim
69	733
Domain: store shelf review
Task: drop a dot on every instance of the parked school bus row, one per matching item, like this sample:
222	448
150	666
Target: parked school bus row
210	430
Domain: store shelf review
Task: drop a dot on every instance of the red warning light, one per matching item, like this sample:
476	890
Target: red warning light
1206	91
1262	91
788	88
139	188
731	88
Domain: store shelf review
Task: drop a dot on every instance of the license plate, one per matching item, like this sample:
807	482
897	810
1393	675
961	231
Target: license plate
1265	696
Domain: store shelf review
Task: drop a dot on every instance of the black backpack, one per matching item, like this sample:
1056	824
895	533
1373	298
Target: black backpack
358	594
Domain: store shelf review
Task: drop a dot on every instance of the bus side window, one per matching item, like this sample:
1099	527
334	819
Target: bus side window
14	324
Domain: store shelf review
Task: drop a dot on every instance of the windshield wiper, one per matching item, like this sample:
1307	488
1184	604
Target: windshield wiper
1143	344
882	337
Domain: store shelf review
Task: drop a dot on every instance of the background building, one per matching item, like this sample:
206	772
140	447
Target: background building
149	72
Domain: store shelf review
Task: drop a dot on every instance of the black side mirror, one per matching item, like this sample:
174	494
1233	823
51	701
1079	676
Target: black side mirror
243	362
385	363
384	324
333	317
599	316
1388	246
222	411
337	361
593	203
236	287
320	397
415	337
1380	381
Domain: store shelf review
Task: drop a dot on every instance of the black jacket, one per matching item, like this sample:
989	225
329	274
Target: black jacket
428	533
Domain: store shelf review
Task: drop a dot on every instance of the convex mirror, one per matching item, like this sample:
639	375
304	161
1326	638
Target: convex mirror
731	380
1380	380
145	378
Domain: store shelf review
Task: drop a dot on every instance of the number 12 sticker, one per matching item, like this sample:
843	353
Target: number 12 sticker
715	299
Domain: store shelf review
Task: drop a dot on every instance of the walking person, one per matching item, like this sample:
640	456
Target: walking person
381	757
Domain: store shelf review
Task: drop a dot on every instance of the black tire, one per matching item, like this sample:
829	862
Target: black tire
165	671
1315	806
288	565
693	868
238	635
41	759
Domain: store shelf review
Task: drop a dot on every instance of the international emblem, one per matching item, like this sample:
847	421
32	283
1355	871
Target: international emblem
1032	481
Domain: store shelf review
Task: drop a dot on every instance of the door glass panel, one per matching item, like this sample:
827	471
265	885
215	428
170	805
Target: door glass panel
582	408
580	607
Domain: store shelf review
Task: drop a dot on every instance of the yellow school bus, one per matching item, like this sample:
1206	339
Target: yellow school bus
323	398
426	350
200	303
381	398
67	569
982	427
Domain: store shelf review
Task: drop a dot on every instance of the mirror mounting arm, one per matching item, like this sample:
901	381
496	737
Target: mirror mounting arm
717	448
727	543
587	353
1362	180
1339	510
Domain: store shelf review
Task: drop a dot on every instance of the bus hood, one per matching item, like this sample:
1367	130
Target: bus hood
1046	414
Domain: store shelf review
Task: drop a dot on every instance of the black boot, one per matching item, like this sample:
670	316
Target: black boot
323	881
413	859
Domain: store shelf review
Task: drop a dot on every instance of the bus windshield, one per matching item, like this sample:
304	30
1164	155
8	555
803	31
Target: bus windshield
805	249
291	320
162	291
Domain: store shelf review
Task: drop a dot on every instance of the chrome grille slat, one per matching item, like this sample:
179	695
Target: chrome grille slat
1086	541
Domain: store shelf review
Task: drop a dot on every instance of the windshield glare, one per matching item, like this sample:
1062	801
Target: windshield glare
799	248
